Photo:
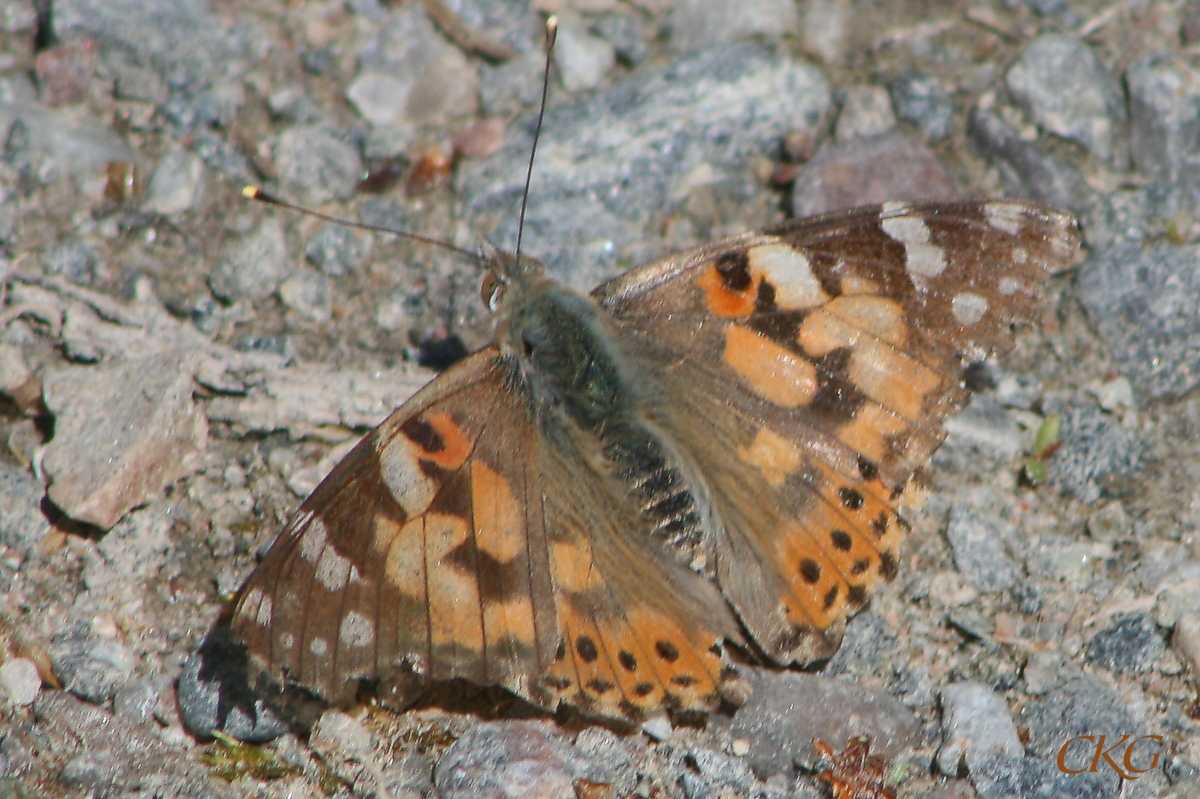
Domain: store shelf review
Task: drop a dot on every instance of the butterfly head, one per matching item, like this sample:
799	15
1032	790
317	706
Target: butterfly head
506	276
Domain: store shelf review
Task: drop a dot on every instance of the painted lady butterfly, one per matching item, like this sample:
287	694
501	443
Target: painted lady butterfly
708	449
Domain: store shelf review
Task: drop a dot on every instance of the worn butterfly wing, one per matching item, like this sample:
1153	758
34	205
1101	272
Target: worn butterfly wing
810	367
457	542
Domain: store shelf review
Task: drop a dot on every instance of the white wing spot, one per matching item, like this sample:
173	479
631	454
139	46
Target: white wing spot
1020	255
1004	216
1010	286
318	646
400	465
356	630
789	271
265	609
925	260
906	229
287	640
333	570
968	308
894	208
313	540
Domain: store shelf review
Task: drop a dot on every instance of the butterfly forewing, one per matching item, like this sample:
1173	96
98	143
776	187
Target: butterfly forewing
824	355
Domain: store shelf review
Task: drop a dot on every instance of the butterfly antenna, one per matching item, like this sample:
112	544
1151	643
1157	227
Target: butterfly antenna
551	35
258	195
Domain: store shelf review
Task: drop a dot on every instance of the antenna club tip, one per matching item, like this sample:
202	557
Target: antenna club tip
552	25
251	192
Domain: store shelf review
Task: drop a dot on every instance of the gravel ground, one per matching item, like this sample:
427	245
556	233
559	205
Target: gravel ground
179	367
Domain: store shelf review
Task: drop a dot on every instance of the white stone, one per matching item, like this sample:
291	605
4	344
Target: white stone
582	59
19	679
177	184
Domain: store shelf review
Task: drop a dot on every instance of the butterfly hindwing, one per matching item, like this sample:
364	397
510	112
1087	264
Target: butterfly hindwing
824	354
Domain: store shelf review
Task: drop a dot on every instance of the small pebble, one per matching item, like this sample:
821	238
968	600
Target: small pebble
19	679
582	59
976	723
866	111
309	294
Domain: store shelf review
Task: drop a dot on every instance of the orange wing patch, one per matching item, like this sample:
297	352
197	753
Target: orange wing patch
771	371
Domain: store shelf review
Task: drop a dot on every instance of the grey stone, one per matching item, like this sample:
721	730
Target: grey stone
123	432
866	643
611	752
177	184
1164	108
866	111
1110	523
336	249
696	24
983	428
511	87
789	709
214	695
311	159
309	294
976	725
253	266
925	102
1067	91
181	39
409	74
1027	169
20	681
618	163
512	22
717	772
1187	638
1145	303
1087	706
1131	644
894	166
93	669
583	60
1094	448
89	751
135	547
513	759
1133	216
22	523
978	540
1009	777
74	260
624	32
1044	671
136	700
383	213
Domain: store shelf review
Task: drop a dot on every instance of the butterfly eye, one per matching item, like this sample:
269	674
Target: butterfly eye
491	290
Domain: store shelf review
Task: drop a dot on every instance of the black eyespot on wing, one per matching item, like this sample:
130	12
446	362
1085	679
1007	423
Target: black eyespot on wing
667	651
867	469
734	269
627	660
888	566
830	596
810	570
586	648
851	498
841	540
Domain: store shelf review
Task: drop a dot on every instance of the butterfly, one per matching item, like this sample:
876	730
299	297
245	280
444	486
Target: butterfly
705	457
